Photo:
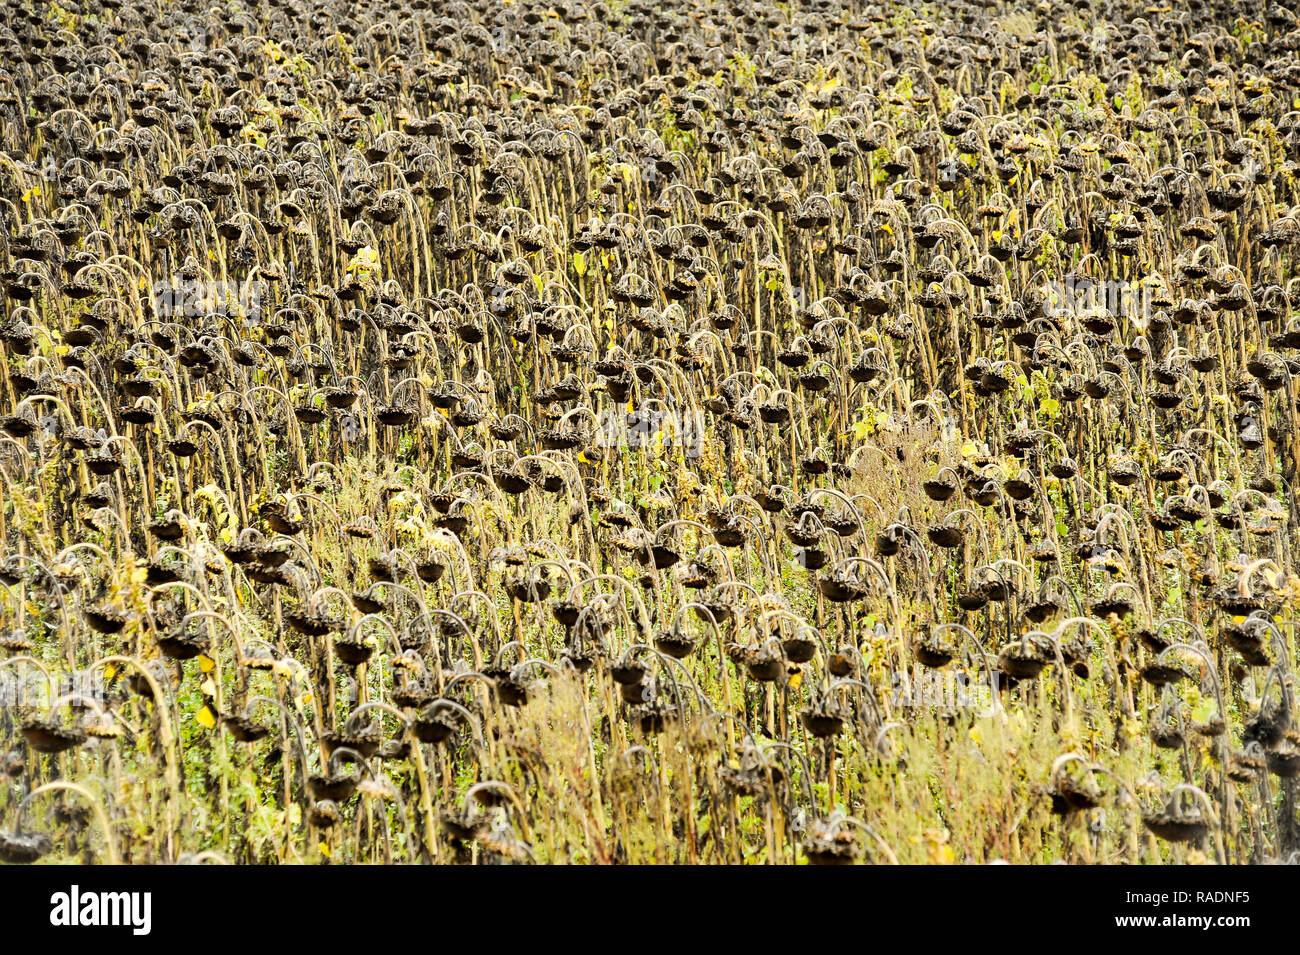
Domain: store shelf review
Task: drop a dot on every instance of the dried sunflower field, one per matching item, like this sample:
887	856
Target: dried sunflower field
649	431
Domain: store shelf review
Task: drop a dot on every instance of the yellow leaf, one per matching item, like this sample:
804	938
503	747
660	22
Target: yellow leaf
366	260
206	663
579	264
206	716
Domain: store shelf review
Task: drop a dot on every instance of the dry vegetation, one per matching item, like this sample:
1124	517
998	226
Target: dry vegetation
325	537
